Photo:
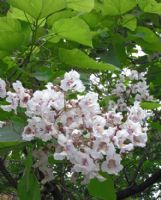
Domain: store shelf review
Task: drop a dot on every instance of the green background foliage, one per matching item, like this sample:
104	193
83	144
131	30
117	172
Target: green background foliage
40	40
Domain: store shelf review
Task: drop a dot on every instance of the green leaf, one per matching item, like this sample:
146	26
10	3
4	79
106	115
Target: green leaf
150	105
28	187
28	163
43	73
13	34
9	133
9	144
73	29
28	184
103	190
81	5
146	38
156	125
93	19
38	8
77	58
117	7
60	15
147	35
150	6
129	21
18	14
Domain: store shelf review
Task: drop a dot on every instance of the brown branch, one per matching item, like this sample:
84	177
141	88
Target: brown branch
126	176
135	189
7	175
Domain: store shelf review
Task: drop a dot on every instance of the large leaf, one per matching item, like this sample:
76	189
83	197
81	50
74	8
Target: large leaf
150	6
146	34
38	8
117	7
77	58
6	145
19	14
102	190
129	21
74	29
28	185
60	15
146	38
13	34
150	105
9	133
81	5
92	19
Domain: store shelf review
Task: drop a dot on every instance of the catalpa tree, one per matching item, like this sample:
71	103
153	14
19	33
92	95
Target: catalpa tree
80	99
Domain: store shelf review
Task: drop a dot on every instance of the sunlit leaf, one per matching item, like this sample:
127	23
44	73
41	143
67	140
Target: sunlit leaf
38	8
117	7
150	105
81	5
74	29
129	21
150	6
13	34
79	59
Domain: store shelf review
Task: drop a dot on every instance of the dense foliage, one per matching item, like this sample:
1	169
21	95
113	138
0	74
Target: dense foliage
115	45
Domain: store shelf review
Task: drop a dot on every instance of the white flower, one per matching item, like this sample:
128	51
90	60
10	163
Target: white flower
40	128
122	140
94	79
121	105
136	113
83	163
44	102
132	127
71	119
120	88
113	118
62	140
131	74
140	139
18	87
2	88
28	133
89	103
65	149
98	125
110	132
112	164
102	146
72	81
83	132
60	155
13	99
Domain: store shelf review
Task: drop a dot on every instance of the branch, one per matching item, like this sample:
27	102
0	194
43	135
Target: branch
136	172
7	175
135	189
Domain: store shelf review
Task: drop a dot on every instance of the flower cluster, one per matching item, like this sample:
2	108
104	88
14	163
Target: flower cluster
91	138
130	85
